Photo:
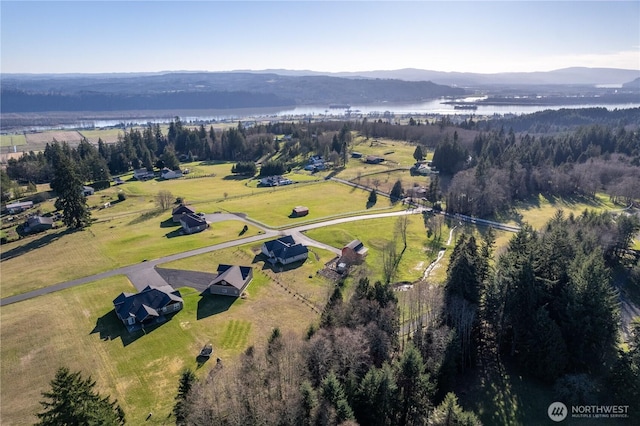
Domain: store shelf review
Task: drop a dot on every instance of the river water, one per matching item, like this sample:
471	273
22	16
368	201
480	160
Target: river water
319	112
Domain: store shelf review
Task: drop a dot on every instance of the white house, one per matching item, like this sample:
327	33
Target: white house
170	174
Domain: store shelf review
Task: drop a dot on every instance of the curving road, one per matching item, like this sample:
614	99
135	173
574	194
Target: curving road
143	274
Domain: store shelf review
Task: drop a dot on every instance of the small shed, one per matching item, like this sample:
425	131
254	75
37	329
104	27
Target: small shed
300	211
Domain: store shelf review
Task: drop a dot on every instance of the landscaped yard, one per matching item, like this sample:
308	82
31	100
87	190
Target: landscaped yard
301	279
78	328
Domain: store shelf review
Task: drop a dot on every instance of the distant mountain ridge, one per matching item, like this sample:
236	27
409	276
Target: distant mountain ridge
564	76
277	88
221	90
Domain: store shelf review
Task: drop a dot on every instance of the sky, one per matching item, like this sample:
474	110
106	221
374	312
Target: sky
327	36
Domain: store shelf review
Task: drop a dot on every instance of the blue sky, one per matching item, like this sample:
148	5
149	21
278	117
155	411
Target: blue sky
485	37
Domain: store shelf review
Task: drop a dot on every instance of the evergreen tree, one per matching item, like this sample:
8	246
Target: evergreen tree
418	154
72	401
415	390
333	395
449	413
72	201
376	397
308	404
396	191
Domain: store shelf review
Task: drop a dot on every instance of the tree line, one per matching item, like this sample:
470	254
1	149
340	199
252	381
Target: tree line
499	167
549	302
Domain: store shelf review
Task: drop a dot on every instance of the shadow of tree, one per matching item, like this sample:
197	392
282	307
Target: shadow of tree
146	216
209	305
237	177
36	243
201	360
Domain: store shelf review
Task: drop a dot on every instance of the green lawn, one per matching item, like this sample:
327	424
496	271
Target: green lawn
324	199
301	279
78	328
59	255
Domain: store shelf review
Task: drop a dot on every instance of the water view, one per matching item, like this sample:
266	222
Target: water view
319	112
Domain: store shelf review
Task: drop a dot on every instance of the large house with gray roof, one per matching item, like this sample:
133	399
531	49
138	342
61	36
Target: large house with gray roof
284	250
231	280
150	306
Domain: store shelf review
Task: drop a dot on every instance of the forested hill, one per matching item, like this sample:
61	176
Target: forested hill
33	93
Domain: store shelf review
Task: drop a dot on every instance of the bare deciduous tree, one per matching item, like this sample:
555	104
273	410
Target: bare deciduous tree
389	261
164	199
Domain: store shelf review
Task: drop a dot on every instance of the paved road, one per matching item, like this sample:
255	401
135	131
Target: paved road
138	270
143	274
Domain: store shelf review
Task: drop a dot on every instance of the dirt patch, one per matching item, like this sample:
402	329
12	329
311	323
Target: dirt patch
48	137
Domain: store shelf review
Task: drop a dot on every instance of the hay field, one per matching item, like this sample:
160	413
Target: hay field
43	138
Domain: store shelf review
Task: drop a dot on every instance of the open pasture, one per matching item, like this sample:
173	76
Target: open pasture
60	255
537	211
40	139
107	135
11	140
324	200
78	328
396	153
385	180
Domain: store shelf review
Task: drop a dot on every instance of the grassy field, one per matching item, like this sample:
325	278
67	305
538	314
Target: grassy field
59	255
398	153
11	140
78	328
107	135
537	212
325	199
